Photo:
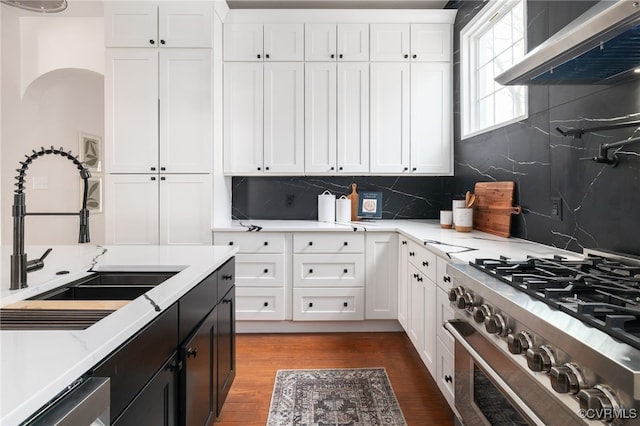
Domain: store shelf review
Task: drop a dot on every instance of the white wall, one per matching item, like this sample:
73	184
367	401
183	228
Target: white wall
63	96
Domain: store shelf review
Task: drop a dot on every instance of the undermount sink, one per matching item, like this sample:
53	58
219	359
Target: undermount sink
81	303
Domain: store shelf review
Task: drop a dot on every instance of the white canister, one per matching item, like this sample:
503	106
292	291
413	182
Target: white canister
446	219
326	207
455	204
343	209
463	218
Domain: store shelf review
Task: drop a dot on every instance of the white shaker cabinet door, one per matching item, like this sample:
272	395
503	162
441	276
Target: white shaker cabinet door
185	209
131	110
243	120
185	111
353	117
131	209
431	42
381	284
353	42
185	25
389	116
130	25
283	42
284	117
320	42
242	42
320	117
431	111
390	42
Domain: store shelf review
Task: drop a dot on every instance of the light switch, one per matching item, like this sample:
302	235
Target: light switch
40	182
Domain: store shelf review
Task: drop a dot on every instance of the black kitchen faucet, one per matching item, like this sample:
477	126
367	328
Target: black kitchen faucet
19	263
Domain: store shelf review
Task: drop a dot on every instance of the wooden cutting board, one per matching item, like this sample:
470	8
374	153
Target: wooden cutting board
107	305
493	207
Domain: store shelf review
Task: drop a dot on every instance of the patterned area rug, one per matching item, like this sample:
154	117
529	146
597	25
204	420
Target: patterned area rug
344	397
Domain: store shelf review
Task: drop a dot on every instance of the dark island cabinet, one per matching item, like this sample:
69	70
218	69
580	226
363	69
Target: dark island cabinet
177	371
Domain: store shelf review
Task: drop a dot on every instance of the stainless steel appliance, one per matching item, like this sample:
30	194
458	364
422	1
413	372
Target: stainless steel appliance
547	341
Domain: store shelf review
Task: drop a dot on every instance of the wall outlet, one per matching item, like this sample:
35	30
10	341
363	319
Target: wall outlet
556	208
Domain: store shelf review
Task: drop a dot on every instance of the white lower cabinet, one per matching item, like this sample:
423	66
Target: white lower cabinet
381	276
328	270
445	342
158	209
403	282
328	304
263	276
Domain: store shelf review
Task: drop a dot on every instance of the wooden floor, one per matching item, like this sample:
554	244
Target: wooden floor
259	356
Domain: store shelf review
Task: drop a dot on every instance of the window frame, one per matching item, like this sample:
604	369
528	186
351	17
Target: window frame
479	25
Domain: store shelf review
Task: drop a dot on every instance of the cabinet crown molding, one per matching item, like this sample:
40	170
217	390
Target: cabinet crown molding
340	16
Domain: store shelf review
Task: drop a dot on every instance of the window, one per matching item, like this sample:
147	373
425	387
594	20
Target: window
492	42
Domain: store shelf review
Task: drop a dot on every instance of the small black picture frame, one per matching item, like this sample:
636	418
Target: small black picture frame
370	205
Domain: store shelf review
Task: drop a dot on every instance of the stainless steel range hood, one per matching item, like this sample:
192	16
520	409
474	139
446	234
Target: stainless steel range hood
601	46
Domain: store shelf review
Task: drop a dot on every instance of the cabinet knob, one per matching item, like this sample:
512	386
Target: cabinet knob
259	56
266	270
412	253
406	56
425	263
404	242
340	56
345	304
266	168
152	42
448	379
419	279
162	42
227	277
415	56
406	168
311	271
266	243
414	169
163	178
333	168
175	366
230	243
153	169
345	270
266	56
192	352
446	279
266	304
310	305
333	55
153	178
259	168
310	243
162	169
346	243
340	168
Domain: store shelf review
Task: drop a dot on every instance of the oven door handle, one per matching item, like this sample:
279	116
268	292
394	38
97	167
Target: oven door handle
486	368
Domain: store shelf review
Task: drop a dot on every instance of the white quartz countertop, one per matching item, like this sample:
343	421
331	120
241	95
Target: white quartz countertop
459	247
37	365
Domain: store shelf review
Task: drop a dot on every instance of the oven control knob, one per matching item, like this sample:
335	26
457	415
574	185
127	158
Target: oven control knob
496	324
541	359
601	401
519	343
480	313
466	301
455	293
567	378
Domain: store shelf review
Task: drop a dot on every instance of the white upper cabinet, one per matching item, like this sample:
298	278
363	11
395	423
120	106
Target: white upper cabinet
147	90
258	42
131	110
186	116
284	117
342	42
431	42
353	117
150	25
390	42
390	101
431	111
243	118
320	117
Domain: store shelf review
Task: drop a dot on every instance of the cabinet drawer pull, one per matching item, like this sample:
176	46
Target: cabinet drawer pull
163	178
346	243
346	304
152	42
345	270
414	169
404	243
266	56
162	169
425	263
259	56
266	304
448	379
419	279
415	56
406	168
226	301
266	243
266	168
333	168
227	277
340	168
175	366
162	42
310	305
310	243
192	352
153	178
259	168
415	275
340	56
412	253
333	55
153	169
446	279
406	56
311	271
266	270
230	243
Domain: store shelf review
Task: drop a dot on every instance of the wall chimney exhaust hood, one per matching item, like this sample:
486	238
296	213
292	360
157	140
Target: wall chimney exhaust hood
601	46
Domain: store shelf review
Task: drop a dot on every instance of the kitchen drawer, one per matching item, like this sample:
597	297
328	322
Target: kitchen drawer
260	270
423	259
328	270
196	304
446	376
444	280
251	242
328	304
226	278
325	242
444	312
260	303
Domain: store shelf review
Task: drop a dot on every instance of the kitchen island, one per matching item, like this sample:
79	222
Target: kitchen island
37	365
